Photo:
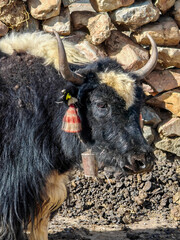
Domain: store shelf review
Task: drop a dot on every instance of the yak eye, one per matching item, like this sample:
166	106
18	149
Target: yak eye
101	109
102	105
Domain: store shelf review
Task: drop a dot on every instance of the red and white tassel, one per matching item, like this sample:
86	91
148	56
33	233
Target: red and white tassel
71	121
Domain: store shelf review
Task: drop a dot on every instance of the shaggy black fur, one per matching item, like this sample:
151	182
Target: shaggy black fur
32	143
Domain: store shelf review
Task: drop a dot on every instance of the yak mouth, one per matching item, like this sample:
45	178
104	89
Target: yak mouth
127	164
139	163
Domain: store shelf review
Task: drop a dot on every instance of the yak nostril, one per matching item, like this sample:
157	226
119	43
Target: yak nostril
138	161
139	164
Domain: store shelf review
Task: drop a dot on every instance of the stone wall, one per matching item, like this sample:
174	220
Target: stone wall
118	29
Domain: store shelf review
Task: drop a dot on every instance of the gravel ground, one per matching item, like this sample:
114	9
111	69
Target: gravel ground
112	206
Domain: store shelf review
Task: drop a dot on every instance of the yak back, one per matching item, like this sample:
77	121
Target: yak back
30	132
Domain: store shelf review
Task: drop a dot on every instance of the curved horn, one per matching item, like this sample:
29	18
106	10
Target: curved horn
150	65
64	66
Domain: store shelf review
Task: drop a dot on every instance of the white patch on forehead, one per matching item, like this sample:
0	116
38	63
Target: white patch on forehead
123	84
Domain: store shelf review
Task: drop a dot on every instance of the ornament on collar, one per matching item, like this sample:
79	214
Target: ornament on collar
141	121
90	164
71	121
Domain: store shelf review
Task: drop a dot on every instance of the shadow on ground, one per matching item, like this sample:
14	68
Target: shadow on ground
126	234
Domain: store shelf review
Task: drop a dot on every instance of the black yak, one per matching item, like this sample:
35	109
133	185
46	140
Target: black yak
36	88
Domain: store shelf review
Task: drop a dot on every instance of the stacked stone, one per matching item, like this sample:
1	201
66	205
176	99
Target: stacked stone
118	29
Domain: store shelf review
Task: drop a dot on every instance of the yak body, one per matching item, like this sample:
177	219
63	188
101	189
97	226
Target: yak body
35	154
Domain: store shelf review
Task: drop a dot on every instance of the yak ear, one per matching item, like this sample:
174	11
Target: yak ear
84	90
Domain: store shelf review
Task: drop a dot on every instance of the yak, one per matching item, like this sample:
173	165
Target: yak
54	105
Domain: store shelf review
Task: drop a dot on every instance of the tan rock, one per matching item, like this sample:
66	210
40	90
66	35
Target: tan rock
80	19
170	128
44	9
109	5
165	80
3	3
141	197
14	14
169	145
148	90
81	7
137	15
175	213
176	198
160	155
148	184
99	28
91	52
129	54
177	12
165	32
142	194
3	29
168	100
164	5
59	23
178	167
169	57
138	200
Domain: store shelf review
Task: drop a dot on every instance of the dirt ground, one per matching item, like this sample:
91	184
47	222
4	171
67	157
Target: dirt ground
143	207
155	227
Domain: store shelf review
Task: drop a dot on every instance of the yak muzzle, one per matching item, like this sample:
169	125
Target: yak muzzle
139	163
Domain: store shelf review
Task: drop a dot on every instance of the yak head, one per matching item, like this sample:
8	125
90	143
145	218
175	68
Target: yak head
109	105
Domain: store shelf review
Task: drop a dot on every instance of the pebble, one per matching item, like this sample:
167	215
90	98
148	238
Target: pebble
175	212
123	199
138	200
176	198
147	186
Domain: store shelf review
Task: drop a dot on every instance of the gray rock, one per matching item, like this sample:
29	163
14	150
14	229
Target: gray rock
80	18
61	23
170	128
136	15
150	117
169	145
31	26
68	2
149	134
